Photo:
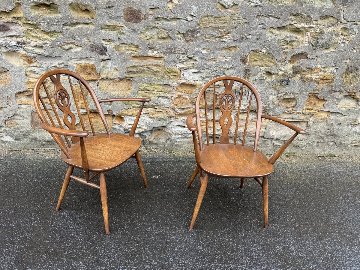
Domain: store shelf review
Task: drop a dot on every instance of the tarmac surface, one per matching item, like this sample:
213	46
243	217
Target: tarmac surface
314	218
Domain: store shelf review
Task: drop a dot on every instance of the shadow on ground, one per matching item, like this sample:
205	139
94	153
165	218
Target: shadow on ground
314	216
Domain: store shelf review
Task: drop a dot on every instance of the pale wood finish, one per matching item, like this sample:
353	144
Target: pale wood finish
258	179
136	121
64	186
104	204
104	152
193	176
65	102
230	160
265	191
85	182
236	117
141	167
203	185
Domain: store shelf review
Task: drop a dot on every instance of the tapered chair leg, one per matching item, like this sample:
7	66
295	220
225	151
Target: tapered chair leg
64	186
242	180
193	176
204	181
104	204
265	190
141	167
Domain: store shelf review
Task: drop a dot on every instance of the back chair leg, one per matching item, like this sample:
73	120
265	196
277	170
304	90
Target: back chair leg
104	203
64	186
204	181
141	167
242	180
265	190
193	176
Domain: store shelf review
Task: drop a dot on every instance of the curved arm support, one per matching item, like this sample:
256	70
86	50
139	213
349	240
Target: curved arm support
190	122
137	118
64	132
281	150
190	125
56	132
84	159
283	122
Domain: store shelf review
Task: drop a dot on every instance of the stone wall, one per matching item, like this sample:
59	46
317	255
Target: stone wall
303	56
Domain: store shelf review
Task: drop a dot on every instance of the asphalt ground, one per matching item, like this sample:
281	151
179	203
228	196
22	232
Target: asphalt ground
314	217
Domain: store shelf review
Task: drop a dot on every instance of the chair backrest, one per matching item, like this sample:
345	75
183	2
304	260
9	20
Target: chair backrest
228	110
64	100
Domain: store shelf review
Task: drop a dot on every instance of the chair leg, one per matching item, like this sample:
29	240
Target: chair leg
104	203
242	181
204	181
64	186
265	190
141	167
257	179
193	176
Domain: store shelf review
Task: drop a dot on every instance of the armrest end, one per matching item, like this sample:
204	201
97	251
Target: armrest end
190	123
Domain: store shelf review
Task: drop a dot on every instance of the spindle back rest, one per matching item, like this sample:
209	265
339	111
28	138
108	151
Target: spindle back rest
228	110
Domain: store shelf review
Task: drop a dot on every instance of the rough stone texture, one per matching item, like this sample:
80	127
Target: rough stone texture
116	87
303	56
132	15
87	71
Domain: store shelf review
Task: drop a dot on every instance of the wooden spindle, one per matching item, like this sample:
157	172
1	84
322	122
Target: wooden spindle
56	137
55	112
47	111
247	117
137	118
86	107
206	120
84	159
238	114
214	114
76	103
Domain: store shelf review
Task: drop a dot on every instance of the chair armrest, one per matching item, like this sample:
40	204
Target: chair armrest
65	132
281	150
283	122
56	132
137	118
190	123
124	99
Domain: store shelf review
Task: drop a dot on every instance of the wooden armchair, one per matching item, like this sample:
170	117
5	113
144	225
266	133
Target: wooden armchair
70	111
228	115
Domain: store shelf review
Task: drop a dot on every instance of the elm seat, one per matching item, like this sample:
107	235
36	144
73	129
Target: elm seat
104	152
242	161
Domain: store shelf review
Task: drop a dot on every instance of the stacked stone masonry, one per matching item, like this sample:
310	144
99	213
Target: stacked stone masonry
302	55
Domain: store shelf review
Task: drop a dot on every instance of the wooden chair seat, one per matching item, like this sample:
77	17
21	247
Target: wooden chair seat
103	151
236	161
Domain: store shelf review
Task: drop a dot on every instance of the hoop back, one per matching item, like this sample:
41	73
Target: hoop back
228	110
63	99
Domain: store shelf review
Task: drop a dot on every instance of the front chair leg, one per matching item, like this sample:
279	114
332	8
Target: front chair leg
192	178
141	167
104	203
265	190
64	186
204	181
